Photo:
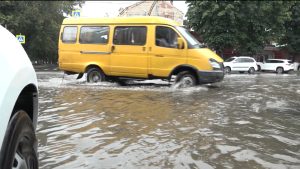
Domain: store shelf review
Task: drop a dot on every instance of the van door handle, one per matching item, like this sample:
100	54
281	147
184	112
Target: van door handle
113	48
144	48
159	55
95	52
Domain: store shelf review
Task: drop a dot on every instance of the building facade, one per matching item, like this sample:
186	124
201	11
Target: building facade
153	8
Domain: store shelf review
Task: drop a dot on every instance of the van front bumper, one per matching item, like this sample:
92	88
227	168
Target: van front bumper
210	76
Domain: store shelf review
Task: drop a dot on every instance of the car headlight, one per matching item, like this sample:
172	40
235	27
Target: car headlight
215	64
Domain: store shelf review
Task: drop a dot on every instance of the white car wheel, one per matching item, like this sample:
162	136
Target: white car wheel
251	70
279	70
227	69
20	144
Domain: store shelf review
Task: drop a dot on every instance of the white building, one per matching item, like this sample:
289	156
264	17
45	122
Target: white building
153	8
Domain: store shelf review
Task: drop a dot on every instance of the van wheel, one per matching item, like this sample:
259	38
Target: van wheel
19	144
95	75
185	79
279	70
251	70
227	69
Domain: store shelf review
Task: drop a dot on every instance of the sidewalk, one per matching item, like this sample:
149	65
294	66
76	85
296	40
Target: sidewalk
46	67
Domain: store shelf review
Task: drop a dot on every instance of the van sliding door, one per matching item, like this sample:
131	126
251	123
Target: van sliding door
94	48
129	55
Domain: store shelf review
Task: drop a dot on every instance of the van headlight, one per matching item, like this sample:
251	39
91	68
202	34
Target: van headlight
215	64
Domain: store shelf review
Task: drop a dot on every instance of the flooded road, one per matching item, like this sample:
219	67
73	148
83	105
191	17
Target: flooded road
247	121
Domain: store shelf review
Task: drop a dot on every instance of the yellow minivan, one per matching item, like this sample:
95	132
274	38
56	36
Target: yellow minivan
135	47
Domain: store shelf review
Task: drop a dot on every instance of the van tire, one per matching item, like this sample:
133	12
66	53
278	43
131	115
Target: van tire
185	79
95	75
19	148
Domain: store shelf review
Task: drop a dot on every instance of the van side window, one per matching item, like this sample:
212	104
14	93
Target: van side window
69	34
130	35
165	37
94	34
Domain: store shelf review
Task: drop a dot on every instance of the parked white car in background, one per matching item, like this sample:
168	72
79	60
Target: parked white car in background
276	65
18	105
296	66
240	64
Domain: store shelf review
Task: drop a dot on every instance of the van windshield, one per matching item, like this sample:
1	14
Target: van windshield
193	43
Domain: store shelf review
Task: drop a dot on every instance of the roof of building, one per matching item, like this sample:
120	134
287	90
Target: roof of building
148	6
131	6
121	20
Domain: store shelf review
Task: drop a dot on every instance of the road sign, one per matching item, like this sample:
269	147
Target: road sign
76	13
21	38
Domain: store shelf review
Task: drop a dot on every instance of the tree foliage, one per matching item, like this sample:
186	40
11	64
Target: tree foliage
39	21
245	26
292	27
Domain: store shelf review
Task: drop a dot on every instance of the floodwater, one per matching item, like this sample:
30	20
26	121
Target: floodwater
247	121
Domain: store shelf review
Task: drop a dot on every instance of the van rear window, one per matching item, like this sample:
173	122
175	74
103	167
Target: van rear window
94	34
69	34
130	35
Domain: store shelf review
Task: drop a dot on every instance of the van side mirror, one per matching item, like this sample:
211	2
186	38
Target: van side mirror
180	43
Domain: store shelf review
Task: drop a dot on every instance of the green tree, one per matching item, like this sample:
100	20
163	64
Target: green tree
292	27
40	21
245	26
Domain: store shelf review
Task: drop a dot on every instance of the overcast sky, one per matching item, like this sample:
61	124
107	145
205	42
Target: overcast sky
111	8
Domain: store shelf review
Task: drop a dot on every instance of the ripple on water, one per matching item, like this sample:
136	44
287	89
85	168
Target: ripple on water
156	126
248	155
254	135
224	149
55	109
242	122
286	140
286	158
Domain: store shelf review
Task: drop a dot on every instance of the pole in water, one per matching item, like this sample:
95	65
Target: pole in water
63	78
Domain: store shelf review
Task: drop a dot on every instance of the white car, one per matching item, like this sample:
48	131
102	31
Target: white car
296	66
240	64
277	65
18	105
